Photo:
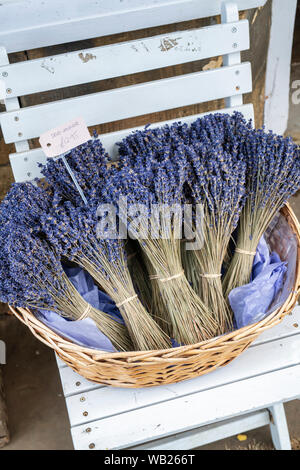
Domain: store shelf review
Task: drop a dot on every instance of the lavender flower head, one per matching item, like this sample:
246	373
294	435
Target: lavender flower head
217	180
87	162
31	273
228	130
73	231
149	150
273	168
24	203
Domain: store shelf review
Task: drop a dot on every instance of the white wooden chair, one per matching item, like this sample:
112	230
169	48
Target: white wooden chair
245	394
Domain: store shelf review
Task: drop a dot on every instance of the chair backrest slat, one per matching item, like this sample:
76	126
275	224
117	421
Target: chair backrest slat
25	164
126	102
27	24
31	24
125	58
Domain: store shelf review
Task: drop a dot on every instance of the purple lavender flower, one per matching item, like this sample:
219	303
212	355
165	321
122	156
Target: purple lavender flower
217	180
87	162
31	274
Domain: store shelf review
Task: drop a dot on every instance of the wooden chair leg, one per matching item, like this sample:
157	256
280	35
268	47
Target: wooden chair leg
278	427
4	435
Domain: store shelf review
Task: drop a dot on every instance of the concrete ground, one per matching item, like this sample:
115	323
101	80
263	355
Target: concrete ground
36	408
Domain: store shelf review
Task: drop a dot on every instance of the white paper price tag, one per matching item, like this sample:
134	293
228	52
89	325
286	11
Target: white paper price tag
61	139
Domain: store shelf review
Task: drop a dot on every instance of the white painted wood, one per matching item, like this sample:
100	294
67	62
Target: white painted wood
73	383
285	329
105	402
12	104
229	15
206	434
278	65
288	327
60	363
279	429
25	164
118	418
189	412
125	102
2	91
36	23
100	63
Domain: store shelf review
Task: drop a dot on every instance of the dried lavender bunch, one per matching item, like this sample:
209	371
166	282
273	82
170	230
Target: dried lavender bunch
217	181
23	205
273	175
32	277
106	261
229	130
188	318
73	231
86	162
147	150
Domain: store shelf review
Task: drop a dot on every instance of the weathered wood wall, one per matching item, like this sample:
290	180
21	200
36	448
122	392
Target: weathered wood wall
259	20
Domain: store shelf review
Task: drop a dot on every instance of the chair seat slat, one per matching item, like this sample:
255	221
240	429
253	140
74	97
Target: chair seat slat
188	412
105	402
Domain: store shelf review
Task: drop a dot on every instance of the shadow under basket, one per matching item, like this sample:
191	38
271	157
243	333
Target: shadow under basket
149	368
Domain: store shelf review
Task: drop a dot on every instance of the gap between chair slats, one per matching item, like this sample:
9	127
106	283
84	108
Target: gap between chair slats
126	102
99	63
25	164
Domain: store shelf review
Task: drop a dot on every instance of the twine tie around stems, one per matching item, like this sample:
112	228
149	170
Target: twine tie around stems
85	313
129	299
245	252
166	279
211	276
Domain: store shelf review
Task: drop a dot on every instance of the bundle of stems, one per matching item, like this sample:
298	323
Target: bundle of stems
207	268
139	274
191	267
73	231
32	277
145	151
273	175
89	165
217	181
157	306
92	192
182	313
188	318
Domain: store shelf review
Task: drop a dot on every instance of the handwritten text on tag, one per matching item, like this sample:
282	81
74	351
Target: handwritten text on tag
64	138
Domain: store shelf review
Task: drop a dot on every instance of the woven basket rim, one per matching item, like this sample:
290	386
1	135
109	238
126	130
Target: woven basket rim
58	342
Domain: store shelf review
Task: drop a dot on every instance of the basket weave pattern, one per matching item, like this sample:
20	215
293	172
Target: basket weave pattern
149	368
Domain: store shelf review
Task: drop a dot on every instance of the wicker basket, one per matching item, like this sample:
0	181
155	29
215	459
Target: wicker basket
146	369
